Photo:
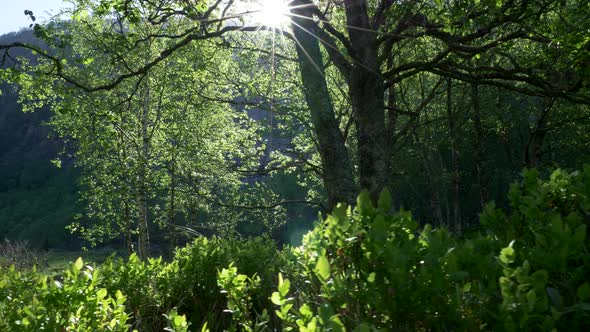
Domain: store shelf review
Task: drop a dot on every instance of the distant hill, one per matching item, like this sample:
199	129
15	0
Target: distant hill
37	199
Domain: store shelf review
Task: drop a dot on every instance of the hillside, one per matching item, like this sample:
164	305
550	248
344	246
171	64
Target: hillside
37	199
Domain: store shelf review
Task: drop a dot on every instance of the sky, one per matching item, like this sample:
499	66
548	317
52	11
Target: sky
12	17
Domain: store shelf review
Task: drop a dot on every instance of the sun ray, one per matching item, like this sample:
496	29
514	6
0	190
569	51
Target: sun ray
271	13
305	51
328	22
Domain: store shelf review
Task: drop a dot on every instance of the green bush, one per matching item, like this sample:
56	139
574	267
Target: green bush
370	269
365	268
360	269
545	282
76	302
189	282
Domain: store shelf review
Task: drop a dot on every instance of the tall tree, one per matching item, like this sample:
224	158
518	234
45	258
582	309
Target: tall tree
367	40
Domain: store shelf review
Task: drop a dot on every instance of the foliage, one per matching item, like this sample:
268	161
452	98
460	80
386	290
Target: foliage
545	270
176	322
239	289
19	255
522	56
37	199
75	302
367	267
360	269
155	151
190	281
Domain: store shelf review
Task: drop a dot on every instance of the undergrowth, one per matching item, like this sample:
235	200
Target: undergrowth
362	268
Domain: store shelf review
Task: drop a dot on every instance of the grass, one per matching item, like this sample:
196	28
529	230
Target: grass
57	261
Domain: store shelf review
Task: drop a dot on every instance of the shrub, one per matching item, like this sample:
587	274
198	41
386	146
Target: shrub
360	269
545	281
368	268
365	268
189	282
19	254
33	302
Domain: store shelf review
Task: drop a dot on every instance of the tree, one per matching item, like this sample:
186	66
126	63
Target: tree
522	46
151	148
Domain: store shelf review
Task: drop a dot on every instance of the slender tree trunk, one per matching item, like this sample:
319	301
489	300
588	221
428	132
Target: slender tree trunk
479	146
504	136
392	116
367	95
144	239
435	201
172	208
456	177
337	167
128	237
532	151
127	222
428	159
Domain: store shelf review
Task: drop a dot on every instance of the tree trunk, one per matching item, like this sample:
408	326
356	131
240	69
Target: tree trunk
367	95
455	219
337	167
127	218
479	146
144	239
172	208
127	222
435	201
532	151
392	117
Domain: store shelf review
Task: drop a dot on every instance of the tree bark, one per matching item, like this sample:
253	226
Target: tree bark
435	201
392	117
144	238
455	220
367	95
172	207
479	146
125	195
336	164
532	151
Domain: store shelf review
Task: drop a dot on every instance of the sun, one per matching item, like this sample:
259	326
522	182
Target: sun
272	13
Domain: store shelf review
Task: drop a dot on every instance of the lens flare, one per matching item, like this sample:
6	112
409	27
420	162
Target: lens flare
272	13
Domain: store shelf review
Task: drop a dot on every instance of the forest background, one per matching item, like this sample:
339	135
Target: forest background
198	139
466	103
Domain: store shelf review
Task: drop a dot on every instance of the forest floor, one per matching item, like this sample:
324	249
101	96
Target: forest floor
57	261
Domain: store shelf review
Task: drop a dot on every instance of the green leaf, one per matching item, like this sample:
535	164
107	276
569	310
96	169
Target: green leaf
584	292
322	267
507	255
384	202
363	203
579	235
276	298
364	327
179	321
283	286
467	287
540	278
305	310
531	297
102	293
79	264
205	328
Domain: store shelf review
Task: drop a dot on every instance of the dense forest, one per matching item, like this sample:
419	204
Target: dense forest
37	200
264	165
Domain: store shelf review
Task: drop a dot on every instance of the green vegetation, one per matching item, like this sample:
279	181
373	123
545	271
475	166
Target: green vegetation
190	144
361	269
